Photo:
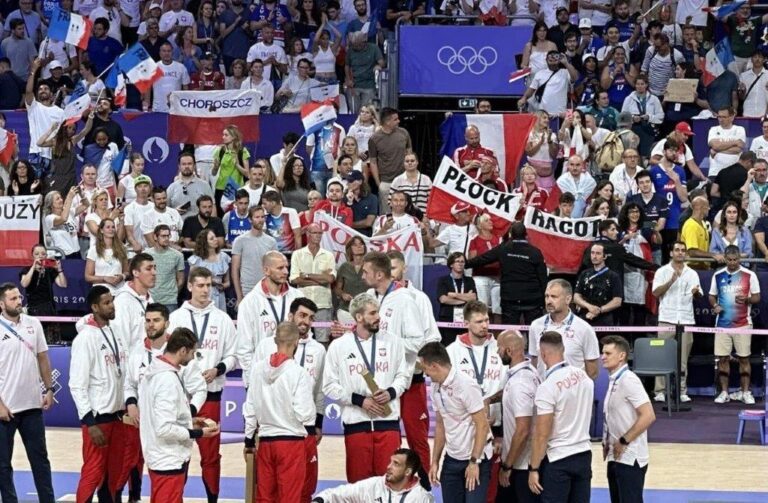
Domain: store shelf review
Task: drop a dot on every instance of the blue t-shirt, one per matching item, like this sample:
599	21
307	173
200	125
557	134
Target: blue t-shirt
237	43
49	6
102	53
665	187
357	25
236	226
619	89
626	28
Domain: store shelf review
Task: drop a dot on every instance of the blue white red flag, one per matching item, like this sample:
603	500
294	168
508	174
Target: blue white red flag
139	68
725	10
716	61
74	110
315	116
70	28
116	82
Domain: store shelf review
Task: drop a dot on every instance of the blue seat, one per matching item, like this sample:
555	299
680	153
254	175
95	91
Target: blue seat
756	416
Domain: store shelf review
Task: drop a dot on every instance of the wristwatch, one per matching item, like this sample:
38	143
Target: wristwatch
505	468
623	441
49	389
475	460
532	469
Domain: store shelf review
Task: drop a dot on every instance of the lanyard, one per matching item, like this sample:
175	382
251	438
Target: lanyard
456	287
609	395
556	367
114	348
479	373
389	290
16	334
598	273
567	322
200	336
274	311
303	354
511	374
402	496
371	366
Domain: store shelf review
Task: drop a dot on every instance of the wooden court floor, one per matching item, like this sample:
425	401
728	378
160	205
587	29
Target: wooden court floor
706	467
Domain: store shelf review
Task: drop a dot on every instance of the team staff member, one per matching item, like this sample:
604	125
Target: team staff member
263	308
23	364
310	355
215	334
581	347
167	427
96	372
400	483
475	354
519	392
131	300
278	405
461	428
628	415
561	455
599	290
370	434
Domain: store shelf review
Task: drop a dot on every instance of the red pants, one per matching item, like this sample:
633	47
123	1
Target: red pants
167	488
310	480
210	458
280	471
415	416
368	453
493	485
132	457
101	462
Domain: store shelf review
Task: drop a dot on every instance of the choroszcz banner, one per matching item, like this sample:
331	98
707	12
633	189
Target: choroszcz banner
200	116
19	229
562	241
407	241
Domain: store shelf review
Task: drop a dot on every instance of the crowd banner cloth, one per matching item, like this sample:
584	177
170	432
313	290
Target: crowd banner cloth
199	117
19	229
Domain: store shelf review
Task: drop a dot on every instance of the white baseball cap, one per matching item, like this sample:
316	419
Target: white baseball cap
585	23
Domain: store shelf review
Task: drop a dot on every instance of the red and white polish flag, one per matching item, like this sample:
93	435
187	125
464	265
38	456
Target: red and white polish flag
19	228
562	241
200	116
8	142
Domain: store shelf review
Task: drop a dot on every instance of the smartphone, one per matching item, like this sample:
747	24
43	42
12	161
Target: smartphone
390	218
119	201
49	263
649	224
186	206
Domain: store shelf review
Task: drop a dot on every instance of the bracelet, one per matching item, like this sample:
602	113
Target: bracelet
49	390
505	468
532	469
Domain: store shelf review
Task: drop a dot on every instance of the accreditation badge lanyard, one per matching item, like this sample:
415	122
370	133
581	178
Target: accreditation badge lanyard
303	354
597	274
200	335
608	397
555	368
458	312
114	348
566	325
479	373
16	334
402	496
370	365
274	311
389	290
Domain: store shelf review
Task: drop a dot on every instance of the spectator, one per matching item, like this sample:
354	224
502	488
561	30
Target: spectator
399	219
349	278
63	141
126	187
696	236
161	214
721	93
153	41
753	88
175	20
622	20
536	50
271	13
365	206
589	42
365	125
256	186
102	49
290	139
342	168
112	12
588	81
206	29
647	114
169	264
261	84
235	40
85	191
624	131
733	177
12	86
681	133
294	183
271	53
23	180
412	182
550	86
60	224
568	138
386	150
455	237
38	282
454	291
107	260
558	32
238	74
230	160
135	210
57	80
615	255
731	232
756	188
202	220
743	29
306	216
598	208
578	182
236	221
468	156
598	290
208	254
605	190
296	88
618	78
101	153
759	144
363	60
637	239
612	42
726	142
676	112
185	192
281	222
571	50
325	53
334	205
654	207
175	78
247	251
186	52
531	194
103	120
623	176
30	20
659	64
487	276
605	115
41	112
691	50
306	16
542	149
100	210
323	147
296	52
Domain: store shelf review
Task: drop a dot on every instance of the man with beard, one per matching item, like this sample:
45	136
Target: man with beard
371	418
400	483
23	364
247	250
256	186
132	299
669	180
185	191
333	205
169	268
310	355
42	112
204	220
99	355
559	32
599	290
468	156
161	214
363	22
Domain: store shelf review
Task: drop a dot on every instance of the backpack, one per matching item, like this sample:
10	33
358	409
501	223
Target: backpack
609	155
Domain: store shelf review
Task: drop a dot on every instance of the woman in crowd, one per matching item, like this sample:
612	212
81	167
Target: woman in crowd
588	83
238	74
101	211
569	138
605	190
618	78
305	217
414	183
23	180
647	114
637	239
38	282
486	277
307	17
671	29
60	222
63	140
349	278
365	125
294	183
186	52
731	231
230	160
208	254
126	191
207	31
324	52
530	191
107	260
542	149
599	207
535	51
296	51
350	147
453	291
605	115
92	85
100	154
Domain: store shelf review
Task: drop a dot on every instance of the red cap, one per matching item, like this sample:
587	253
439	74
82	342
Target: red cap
685	128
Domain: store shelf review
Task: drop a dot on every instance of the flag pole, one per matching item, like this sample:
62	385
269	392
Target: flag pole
652	8
108	68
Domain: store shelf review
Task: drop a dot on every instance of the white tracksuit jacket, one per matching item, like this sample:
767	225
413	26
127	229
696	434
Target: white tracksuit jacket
279	400
495	372
424	305
165	420
343	382
256	320
374	489
310	355
130	308
218	340
95	375
139	360
400	316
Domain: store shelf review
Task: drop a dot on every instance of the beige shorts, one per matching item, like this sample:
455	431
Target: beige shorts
726	342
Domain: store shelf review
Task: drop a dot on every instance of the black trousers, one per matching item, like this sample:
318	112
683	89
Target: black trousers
29	424
511	312
625	482
567	480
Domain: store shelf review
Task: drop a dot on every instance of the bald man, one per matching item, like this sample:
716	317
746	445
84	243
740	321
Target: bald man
518	408
468	157
696	236
578	182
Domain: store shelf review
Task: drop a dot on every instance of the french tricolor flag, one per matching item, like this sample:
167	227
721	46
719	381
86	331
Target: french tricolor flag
725	10
8	142
116	82
716	61
315	116
138	67
74	110
70	28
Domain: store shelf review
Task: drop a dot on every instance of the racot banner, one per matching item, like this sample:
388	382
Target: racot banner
19	229
407	241
562	241
199	117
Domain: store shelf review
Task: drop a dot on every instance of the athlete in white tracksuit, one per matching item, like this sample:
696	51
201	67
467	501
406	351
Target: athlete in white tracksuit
130	307
375	489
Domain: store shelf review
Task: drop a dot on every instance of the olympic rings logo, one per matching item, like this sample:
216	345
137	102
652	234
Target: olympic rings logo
467	59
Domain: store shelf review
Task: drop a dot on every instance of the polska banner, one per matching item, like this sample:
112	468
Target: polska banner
19	229
452	185
562	241
200	116
407	241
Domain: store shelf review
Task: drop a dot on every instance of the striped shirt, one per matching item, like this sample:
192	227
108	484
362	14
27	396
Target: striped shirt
660	69
417	191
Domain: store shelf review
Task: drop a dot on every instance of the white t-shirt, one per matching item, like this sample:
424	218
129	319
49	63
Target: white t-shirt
604	50
518	401
113	16
170	217
567	393
85	7
756	101
19	374
625	394
546	7
599	18
676	305
172	19
40	119
455	237
682	158
262	51
129	194
132	9
721	160
107	265
555	97
692	8
175	76
105	175
401	222
62	52
133	215
266	89
579	339
62	236
94	217
760	147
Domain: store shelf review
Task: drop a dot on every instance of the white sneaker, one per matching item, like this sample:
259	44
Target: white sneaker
738	396
659	397
748	398
685	398
723	397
